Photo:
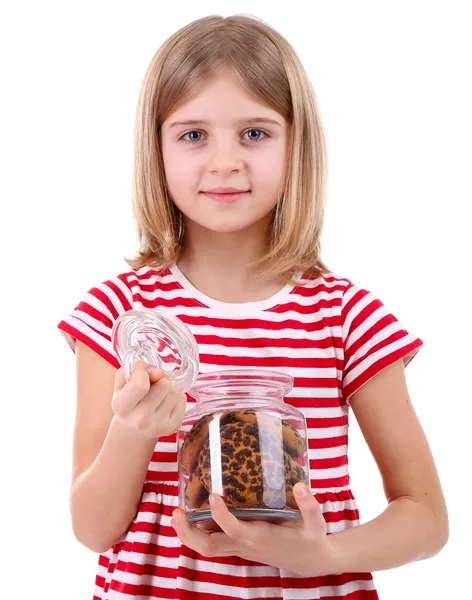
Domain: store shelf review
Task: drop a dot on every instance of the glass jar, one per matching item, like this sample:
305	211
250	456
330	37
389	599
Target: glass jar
243	442
240	440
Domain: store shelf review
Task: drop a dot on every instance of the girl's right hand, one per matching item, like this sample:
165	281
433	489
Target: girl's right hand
148	403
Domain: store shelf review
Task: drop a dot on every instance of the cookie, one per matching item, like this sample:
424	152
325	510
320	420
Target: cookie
251	477
195	493
280	473
205	505
293	474
240	465
247	416
293	441
193	442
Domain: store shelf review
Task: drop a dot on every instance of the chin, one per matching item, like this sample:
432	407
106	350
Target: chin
231	227
219	223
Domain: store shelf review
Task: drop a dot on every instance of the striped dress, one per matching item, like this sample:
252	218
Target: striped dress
331	336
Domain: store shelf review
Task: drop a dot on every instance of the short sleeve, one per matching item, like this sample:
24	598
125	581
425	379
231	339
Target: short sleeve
373	338
92	320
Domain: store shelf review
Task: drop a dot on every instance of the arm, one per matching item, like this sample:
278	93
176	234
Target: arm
414	526
110	459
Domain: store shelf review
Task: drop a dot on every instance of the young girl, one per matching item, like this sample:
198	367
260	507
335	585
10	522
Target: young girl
229	184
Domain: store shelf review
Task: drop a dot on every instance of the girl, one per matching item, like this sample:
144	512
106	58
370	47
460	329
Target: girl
229	183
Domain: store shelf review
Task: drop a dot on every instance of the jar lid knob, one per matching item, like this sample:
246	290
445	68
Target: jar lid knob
159	339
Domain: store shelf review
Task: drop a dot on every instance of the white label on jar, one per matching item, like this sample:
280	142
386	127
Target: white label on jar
215	454
272	461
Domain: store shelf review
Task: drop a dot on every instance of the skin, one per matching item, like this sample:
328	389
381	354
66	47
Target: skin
230	151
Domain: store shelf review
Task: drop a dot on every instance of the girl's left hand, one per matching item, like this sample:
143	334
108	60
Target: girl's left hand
300	546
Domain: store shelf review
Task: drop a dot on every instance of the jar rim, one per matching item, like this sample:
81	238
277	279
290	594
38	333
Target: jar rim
264	378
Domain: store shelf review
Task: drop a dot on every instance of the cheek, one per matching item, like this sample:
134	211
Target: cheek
181	172
269	173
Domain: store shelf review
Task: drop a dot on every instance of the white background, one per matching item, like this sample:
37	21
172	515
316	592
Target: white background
393	85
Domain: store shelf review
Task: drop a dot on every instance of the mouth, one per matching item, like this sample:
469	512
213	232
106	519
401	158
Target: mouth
226	196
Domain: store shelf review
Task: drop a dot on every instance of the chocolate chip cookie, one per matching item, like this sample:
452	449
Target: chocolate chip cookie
194	440
293	442
256	469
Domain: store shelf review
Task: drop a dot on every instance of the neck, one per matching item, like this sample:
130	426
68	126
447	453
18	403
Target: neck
218	264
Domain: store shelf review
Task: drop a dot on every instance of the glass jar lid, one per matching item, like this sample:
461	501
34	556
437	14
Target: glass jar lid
160	339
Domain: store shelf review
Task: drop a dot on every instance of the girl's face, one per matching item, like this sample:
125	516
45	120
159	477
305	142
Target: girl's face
232	141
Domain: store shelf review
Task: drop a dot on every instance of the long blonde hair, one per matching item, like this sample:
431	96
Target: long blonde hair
269	69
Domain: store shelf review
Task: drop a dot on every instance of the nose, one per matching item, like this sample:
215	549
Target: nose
225	157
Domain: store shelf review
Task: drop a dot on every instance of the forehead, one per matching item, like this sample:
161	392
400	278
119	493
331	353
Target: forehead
223	101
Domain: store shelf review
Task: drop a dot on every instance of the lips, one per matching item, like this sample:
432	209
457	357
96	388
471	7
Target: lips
225	190
226	196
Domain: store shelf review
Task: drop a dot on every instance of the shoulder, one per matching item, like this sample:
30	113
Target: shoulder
105	301
328	280
138	286
340	290
92	319
328	286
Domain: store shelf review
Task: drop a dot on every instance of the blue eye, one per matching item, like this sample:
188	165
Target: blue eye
190	141
258	139
253	139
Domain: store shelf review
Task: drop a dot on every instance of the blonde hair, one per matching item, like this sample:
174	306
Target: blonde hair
269	69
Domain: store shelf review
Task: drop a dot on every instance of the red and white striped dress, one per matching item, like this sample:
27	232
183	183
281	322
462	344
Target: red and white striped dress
331	336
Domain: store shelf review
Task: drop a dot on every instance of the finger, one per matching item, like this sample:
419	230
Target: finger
158	407
137	370
312	514
231	525
178	412
170	412
157	394
163	413
155	374
134	390
206	544
120	380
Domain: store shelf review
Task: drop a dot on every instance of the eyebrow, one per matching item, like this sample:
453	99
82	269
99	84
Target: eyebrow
241	121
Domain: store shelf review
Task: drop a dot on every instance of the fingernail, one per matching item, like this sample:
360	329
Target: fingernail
212	501
301	490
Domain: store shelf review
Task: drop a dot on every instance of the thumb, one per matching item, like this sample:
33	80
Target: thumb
155	374
311	510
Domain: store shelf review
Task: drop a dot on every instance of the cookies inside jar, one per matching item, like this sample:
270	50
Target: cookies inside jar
251	458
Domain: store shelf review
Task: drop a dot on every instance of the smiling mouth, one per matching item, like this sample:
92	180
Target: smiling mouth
226	196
